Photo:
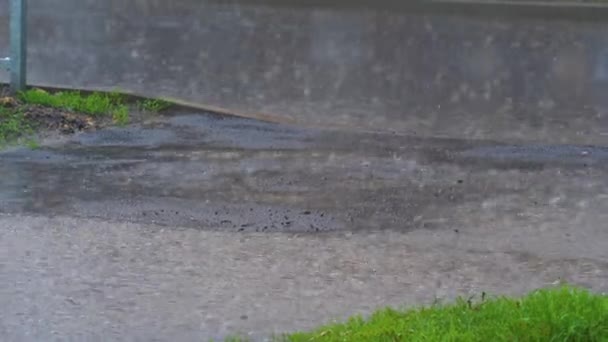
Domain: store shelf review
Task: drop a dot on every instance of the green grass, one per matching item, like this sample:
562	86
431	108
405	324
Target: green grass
32	144
12	125
15	127
557	314
154	105
120	115
95	104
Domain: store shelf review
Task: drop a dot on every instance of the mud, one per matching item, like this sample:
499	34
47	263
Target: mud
49	120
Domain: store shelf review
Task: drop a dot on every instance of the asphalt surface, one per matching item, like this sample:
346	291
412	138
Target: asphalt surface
196	226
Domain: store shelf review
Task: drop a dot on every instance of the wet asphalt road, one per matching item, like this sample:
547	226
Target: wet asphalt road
197	226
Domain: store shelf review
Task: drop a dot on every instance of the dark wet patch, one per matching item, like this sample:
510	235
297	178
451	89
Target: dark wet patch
209	216
211	177
539	155
125	136
22	154
239	133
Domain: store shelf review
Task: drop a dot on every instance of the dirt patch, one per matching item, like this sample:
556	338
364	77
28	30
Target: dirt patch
49	119
52	119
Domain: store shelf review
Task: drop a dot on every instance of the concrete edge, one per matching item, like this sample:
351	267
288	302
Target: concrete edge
564	10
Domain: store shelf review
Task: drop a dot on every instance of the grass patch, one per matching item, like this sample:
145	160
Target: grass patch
32	144
557	314
95	104
120	115
12	125
154	105
65	111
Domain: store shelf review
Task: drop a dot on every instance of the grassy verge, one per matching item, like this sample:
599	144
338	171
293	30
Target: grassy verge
154	105
13	125
558	314
67	111
95	104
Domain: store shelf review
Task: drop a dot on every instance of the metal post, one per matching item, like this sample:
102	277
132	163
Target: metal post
18	41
